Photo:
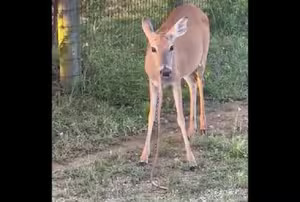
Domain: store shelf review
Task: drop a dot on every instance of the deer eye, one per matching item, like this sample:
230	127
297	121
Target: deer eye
153	50
171	48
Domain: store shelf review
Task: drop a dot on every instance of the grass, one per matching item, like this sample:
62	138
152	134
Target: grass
114	59
118	177
86	125
112	102
226	75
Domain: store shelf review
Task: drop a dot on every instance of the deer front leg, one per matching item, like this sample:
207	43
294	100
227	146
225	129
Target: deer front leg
193	104
177	92
151	117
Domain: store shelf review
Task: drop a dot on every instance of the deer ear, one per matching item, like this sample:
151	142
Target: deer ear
147	27
179	28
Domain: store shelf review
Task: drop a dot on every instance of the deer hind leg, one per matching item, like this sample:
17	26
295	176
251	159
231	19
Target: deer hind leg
192	83
200	83
151	118
177	93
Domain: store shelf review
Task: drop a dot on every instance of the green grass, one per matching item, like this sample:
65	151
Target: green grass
111	101
226	75
114	86
118	176
87	125
114	60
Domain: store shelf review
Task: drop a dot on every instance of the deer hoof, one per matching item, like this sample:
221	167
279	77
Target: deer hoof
202	131
143	162
193	166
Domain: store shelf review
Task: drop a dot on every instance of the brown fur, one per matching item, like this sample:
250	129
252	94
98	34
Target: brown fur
187	60
191	48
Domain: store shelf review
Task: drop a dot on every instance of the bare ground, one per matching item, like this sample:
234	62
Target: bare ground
114	175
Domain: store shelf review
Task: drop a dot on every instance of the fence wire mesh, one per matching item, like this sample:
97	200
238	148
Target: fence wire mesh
111	35
119	22
114	23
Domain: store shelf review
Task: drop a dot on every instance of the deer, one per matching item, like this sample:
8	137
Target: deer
177	50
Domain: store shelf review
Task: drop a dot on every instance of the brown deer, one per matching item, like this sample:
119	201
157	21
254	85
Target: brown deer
178	49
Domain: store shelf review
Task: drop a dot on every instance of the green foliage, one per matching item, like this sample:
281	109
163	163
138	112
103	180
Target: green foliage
228	17
112	55
117	77
112	101
114	59
226	75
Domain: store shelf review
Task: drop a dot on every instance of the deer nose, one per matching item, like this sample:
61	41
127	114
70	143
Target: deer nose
165	72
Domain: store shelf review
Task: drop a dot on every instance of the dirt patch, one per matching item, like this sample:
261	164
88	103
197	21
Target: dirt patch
221	119
123	146
227	118
114	174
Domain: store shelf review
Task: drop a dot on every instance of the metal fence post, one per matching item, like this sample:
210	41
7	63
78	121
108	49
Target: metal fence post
68	42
